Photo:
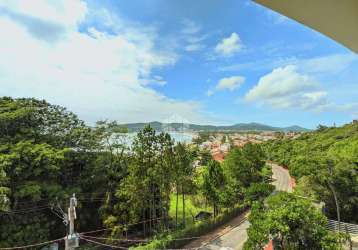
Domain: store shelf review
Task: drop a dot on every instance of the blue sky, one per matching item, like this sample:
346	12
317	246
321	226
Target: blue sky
208	62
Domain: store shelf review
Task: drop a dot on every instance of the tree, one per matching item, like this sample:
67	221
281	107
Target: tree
213	184
223	139
294	223
255	155
338	188
43	152
258	192
242	167
182	174
204	157
113	160
201	137
326	161
39	121
143	195
140	184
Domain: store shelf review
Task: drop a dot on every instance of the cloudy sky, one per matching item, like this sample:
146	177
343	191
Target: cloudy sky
208	62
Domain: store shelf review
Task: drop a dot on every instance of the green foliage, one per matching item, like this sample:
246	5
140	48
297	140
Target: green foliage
202	137
204	157
292	222
328	161
258	192
213	184
46	154
194	203
176	239
243	168
156	166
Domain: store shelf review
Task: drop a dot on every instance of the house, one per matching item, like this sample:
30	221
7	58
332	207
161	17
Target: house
218	156
225	147
203	215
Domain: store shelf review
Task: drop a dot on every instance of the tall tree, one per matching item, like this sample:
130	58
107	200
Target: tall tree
144	193
183	174
294	223
213	184
44	150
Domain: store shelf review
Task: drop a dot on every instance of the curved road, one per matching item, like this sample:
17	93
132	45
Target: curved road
281	178
233	234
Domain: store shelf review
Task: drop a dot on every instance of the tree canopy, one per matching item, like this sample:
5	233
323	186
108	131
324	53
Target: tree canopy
292	223
325	164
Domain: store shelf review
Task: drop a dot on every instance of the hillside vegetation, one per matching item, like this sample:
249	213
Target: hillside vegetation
325	164
253	126
149	189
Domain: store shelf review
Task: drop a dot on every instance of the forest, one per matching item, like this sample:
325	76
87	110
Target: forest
325	165
151	189
155	190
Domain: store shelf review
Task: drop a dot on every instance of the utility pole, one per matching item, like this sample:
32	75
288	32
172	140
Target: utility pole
72	238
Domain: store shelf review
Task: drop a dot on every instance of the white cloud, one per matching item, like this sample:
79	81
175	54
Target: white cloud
229	46
66	12
281	82
227	83
155	80
190	27
43	20
191	33
331	64
230	83
351	108
95	74
286	88
297	86
194	47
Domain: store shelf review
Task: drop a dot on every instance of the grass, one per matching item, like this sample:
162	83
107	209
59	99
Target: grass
193	205
169	239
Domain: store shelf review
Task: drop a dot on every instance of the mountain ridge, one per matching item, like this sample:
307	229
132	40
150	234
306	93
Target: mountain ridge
252	126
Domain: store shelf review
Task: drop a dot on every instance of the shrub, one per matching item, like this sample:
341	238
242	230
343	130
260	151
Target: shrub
180	238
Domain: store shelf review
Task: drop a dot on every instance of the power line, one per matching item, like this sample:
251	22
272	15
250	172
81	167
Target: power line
33	245
95	196
113	239
120	247
131	224
29	208
24	211
48	205
130	240
102	244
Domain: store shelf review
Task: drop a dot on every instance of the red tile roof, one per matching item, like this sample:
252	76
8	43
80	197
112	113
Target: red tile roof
269	246
218	156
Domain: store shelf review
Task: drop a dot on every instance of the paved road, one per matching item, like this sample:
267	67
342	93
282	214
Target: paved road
281	178
235	237
224	236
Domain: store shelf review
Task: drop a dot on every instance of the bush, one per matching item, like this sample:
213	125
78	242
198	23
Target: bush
169	240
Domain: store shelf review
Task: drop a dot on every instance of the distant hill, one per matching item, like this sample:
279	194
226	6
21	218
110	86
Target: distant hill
134	127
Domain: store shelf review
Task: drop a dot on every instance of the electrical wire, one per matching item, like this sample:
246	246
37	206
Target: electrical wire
102	244
113	239
130	240
132	224
120	247
33	245
24	211
48	205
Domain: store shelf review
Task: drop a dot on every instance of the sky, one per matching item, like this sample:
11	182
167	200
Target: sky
205	62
